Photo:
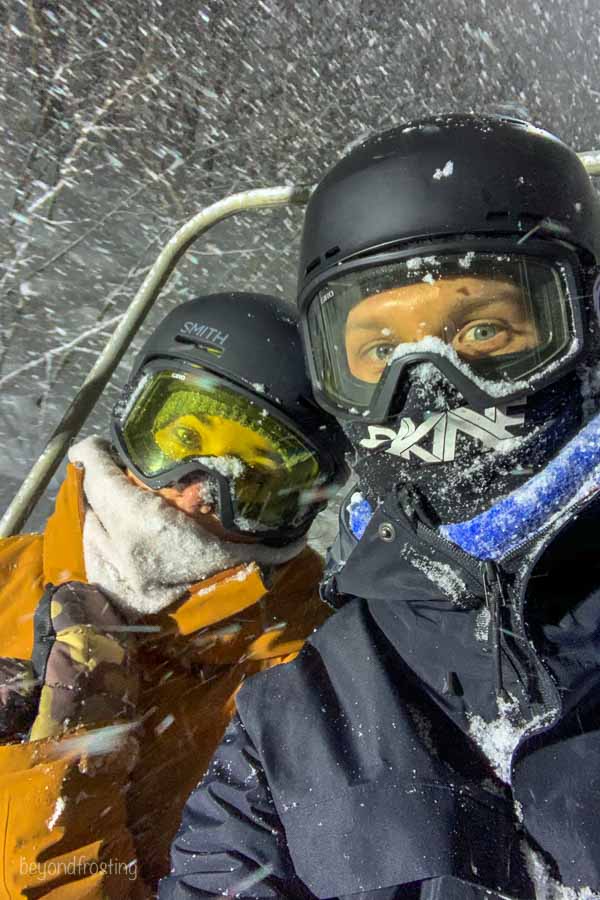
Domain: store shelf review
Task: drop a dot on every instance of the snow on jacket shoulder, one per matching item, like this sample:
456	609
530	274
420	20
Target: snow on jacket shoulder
92	814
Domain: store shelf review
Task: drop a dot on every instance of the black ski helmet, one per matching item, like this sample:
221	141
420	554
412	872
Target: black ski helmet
442	190
505	177
251	343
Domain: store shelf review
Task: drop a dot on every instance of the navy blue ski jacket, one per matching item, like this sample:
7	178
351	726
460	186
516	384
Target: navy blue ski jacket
437	738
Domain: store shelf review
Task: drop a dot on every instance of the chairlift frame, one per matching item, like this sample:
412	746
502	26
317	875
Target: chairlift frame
88	394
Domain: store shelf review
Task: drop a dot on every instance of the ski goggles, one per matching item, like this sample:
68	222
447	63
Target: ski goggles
496	324
179	422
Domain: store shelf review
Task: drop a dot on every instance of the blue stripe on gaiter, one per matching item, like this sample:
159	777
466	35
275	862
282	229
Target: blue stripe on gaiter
519	516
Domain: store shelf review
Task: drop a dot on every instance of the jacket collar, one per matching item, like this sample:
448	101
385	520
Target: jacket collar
429	600
219	597
205	604
410	553
63	538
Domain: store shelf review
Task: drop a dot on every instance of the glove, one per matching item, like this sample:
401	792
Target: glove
19	699
83	660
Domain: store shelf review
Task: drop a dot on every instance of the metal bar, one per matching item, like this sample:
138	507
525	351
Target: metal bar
81	406
591	161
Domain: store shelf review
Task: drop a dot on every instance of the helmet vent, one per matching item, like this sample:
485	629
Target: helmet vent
313	265
533	218
200	345
332	252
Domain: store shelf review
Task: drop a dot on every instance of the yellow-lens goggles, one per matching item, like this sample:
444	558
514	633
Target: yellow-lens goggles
176	417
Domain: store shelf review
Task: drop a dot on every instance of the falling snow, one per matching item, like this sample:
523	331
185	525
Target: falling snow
115	134
59	808
446	172
119	125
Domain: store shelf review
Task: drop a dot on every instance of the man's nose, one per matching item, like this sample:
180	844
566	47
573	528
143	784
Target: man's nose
197	489
444	330
423	330
429	328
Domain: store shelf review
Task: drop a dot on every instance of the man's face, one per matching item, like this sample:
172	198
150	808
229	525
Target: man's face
478	317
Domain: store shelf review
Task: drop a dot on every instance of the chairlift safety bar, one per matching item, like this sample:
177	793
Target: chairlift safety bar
82	404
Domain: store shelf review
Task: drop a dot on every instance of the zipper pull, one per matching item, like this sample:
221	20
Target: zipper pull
494	600
411	503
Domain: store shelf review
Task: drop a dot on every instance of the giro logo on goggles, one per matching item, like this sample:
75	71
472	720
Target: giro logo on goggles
491	429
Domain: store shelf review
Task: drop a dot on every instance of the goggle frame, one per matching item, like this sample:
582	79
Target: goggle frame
226	511
555	251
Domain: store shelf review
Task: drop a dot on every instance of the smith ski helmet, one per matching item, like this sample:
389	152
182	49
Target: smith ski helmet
219	389
446	283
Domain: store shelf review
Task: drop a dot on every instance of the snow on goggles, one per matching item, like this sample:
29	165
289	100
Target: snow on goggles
492	322
177	423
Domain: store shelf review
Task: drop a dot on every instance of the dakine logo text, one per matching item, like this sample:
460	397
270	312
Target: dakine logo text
439	431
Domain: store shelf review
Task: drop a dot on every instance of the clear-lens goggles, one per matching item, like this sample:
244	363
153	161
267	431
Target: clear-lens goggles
177	422
496	319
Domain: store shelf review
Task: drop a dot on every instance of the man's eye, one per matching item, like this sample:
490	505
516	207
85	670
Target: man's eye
381	352
188	437
484	331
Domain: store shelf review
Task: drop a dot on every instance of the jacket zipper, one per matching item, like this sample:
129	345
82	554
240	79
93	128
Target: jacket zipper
548	689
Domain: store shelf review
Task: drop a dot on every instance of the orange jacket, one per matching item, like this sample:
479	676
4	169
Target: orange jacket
74	818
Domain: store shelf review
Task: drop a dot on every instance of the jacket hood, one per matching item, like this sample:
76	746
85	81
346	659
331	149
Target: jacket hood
433	603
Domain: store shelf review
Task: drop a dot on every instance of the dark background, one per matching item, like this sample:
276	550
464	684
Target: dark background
121	120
